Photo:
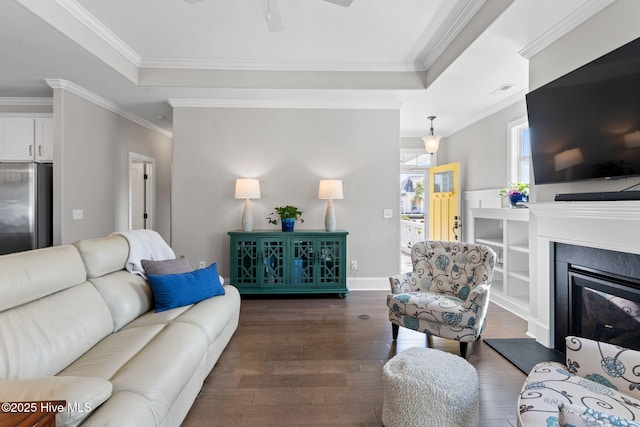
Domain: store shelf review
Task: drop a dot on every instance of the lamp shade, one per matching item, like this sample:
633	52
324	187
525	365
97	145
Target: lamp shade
247	188
431	143
330	189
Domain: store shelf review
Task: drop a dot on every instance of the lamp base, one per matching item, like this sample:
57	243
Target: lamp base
330	217
247	216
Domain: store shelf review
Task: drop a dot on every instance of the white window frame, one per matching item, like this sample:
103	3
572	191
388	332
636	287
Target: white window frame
514	132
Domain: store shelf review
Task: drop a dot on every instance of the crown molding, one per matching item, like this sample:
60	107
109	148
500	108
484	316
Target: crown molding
26	101
284	104
452	31
106	104
278	66
570	22
84	16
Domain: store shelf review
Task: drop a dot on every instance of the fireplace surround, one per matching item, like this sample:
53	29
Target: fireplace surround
610	226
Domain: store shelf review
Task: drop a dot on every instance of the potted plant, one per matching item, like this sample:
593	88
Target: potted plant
518	192
287	215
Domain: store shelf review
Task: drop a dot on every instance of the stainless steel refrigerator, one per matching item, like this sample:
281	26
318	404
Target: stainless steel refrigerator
26	206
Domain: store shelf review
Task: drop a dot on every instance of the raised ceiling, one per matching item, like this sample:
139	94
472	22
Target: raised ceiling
426	57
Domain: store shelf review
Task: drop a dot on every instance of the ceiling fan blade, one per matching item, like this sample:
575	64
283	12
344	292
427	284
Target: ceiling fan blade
272	15
345	3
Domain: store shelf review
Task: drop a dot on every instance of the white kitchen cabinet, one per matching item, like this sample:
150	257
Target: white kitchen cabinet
26	139
17	137
43	147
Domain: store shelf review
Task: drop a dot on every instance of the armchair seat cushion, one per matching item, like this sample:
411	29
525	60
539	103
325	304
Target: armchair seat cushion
438	308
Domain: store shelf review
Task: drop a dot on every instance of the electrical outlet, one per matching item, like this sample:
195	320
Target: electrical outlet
354	265
201	264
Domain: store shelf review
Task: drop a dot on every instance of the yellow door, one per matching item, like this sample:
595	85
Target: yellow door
444	202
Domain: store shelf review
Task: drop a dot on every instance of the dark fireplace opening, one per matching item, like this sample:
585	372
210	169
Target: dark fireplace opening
596	295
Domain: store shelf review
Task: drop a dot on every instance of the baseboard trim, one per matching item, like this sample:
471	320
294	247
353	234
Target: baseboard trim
368	284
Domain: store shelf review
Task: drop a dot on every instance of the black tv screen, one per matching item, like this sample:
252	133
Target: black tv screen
586	124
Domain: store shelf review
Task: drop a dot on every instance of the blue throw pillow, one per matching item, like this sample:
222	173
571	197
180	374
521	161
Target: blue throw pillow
177	290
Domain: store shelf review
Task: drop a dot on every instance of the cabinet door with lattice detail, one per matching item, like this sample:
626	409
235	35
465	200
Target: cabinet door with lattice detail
303	262
244	253
330	262
272	254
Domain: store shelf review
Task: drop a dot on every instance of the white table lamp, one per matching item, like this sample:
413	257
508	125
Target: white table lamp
247	189
330	189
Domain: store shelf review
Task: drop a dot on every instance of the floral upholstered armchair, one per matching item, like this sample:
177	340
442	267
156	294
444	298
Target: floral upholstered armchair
599	386
446	294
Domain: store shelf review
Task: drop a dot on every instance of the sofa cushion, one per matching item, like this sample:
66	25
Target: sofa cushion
166	266
43	337
83	394
127	295
177	290
163	368
103	255
213	314
112	354
27	276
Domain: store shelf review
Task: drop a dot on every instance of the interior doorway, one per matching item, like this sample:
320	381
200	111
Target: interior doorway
414	202
141	191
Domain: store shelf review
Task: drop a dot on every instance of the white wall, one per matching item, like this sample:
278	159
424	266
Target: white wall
289	150
91	146
611	28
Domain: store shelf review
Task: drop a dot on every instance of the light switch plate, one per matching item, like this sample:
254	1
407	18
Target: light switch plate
387	213
77	214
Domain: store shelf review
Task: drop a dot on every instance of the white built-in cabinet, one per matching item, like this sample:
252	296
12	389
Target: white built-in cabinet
506	231
26	139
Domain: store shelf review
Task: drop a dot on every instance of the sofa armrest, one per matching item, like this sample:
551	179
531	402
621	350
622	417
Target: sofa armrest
402	283
604	363
83	394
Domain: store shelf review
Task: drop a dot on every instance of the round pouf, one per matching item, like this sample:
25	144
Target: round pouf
427	387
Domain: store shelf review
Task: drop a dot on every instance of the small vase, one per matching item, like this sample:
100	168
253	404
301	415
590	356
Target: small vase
287	224
514	199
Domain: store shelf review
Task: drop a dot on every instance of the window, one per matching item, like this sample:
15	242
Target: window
519	151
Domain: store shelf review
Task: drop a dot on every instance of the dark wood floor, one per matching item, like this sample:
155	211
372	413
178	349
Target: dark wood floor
317	361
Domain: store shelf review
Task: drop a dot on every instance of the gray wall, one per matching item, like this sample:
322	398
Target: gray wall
289	150
611	28
481	150
91	146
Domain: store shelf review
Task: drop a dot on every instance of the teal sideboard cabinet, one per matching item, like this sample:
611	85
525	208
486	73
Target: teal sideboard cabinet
297	262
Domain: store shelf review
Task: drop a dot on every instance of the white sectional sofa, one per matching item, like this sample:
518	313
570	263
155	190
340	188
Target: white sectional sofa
76	326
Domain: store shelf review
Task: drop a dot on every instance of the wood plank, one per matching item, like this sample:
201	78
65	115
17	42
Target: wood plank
313	362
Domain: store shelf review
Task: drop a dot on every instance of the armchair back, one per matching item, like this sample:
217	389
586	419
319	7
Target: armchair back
452	268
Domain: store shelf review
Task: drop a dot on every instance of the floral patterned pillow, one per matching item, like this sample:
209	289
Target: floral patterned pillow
606	364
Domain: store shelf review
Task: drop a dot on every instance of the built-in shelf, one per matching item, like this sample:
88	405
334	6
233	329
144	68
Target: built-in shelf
506	231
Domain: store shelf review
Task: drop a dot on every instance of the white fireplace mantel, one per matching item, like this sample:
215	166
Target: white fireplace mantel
605	225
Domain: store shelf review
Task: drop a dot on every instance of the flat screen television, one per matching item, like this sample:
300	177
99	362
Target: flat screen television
586	124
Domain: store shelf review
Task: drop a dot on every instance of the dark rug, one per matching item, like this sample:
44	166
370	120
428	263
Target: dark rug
524	353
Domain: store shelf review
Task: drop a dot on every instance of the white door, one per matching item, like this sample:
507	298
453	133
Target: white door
141	192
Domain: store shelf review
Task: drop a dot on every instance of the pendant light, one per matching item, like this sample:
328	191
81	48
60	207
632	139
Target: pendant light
431	142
